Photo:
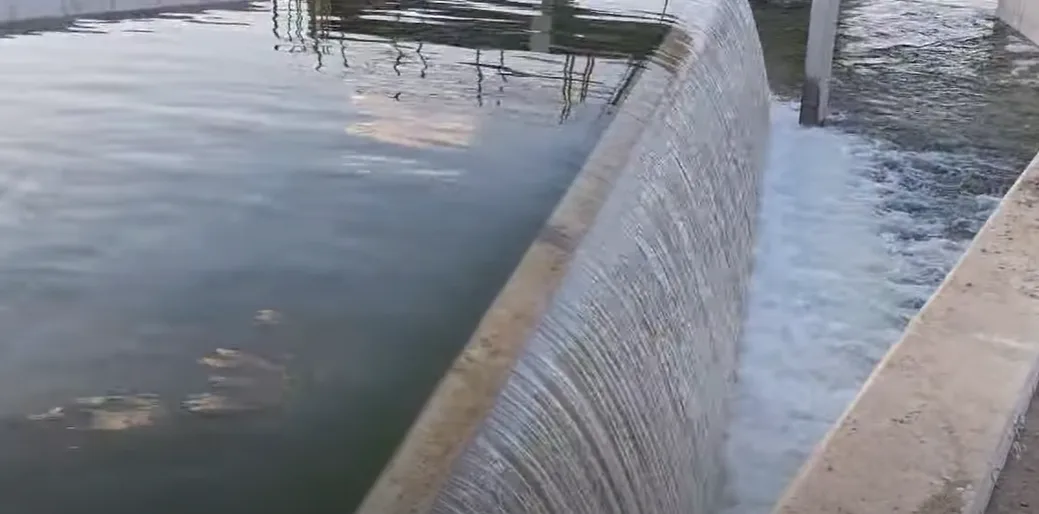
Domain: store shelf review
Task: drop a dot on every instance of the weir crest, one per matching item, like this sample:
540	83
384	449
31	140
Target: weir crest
597	383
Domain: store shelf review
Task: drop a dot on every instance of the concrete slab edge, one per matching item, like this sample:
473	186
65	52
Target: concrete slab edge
931	428
469	389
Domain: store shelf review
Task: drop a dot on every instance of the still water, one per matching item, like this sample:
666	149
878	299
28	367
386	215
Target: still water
239	246
861	220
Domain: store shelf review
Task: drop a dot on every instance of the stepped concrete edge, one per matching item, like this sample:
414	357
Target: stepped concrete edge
932	427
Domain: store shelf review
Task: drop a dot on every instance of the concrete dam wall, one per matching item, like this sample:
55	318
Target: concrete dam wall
596	383
21	11
1022	15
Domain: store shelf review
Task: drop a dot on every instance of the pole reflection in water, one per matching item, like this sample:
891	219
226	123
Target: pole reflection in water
463	35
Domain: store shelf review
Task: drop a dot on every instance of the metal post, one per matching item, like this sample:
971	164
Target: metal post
822	37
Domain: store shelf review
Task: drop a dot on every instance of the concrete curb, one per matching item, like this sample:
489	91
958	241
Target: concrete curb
931	428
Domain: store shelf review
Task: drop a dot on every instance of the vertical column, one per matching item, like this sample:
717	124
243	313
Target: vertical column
822	37
541	28
1022	15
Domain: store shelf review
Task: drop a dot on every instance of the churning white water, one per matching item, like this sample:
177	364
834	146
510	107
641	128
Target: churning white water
861	220
831	290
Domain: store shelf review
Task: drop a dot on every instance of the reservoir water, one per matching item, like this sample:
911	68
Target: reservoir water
240	245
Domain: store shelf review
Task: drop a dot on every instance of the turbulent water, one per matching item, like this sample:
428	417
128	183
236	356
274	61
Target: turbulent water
618	403
860	221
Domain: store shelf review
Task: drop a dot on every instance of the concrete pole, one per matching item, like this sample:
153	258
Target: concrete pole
1022	15
822	37
541	28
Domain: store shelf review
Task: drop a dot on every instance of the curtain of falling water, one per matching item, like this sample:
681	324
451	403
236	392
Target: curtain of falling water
618	403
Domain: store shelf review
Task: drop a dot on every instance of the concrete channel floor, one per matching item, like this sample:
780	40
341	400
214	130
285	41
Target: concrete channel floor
1017	490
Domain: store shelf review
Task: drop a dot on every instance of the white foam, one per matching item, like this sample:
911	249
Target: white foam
839	270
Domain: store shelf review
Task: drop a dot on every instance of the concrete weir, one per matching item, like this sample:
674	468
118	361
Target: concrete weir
15	12
931	428
597	380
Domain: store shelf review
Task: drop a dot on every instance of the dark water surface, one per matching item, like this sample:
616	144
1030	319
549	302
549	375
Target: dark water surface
238	247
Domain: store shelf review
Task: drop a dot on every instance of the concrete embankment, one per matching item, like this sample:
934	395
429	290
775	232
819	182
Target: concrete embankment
24	11
1016	489
931	428
1023	15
